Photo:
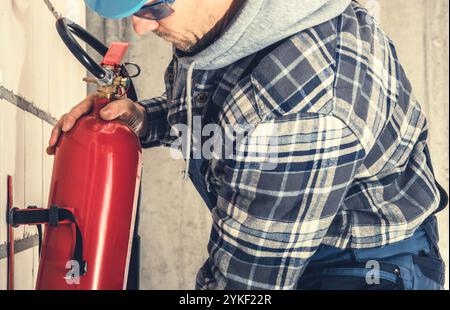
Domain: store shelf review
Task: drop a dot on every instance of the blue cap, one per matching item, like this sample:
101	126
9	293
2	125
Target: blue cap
115	9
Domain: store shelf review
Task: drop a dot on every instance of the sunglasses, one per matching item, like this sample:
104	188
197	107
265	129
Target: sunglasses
156	11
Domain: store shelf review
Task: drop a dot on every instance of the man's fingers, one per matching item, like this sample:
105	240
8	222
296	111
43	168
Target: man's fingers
78	111
51	150
67	121
56	131
133	114
116	109
123	109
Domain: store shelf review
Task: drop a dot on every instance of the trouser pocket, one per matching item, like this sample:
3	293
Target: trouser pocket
429	271
371	275
428	266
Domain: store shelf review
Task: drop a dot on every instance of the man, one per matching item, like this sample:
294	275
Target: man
342	195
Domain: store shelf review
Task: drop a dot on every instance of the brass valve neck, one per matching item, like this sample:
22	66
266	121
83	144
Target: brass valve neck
113	90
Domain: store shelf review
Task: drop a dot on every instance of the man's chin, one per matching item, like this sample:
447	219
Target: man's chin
183	47
180	45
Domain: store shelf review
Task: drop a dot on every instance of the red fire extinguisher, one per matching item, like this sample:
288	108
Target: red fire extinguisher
89	222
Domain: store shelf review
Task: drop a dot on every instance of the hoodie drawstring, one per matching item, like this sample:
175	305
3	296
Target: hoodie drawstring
190	74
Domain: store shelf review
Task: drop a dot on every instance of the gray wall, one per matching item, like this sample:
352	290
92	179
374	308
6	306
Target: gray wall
175	223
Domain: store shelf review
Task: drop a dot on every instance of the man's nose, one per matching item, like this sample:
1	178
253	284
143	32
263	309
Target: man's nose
142	26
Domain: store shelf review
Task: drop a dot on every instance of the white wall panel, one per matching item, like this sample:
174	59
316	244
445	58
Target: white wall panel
17	44
66	73
33	165
23	266
47	164
43	23
35	264
3	227
3	279
37	66
13	149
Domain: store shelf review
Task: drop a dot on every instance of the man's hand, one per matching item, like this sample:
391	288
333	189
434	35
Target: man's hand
124	109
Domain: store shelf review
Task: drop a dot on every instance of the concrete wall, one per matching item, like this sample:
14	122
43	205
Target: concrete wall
38	75
175	224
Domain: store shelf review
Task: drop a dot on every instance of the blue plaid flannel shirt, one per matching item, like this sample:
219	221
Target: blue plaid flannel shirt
352	169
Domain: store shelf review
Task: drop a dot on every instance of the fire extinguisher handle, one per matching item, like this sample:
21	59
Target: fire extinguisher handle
66	29
52	216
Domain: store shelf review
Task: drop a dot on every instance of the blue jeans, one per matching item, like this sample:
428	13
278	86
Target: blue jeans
411	264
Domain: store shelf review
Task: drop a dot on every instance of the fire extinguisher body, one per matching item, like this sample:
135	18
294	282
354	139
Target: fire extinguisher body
96	173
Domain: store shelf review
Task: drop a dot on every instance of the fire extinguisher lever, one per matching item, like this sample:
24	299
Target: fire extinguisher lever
111	76
52	216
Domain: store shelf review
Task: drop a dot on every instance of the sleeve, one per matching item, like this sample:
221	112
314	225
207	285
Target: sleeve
276	200
158	130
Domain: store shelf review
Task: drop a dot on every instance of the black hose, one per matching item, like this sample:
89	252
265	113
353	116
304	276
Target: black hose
88	38
65	28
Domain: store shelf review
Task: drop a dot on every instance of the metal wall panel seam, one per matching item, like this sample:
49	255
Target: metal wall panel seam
25	105
19	245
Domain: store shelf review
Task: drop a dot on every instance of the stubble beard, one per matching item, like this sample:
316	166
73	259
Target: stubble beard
180	44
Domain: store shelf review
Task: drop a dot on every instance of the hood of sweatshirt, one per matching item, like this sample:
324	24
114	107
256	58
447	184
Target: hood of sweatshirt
261	23
257	25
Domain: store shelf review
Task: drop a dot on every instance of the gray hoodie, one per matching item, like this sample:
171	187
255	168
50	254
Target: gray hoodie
258	24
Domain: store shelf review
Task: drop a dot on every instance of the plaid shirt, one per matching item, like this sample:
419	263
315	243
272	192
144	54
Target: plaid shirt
352	163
